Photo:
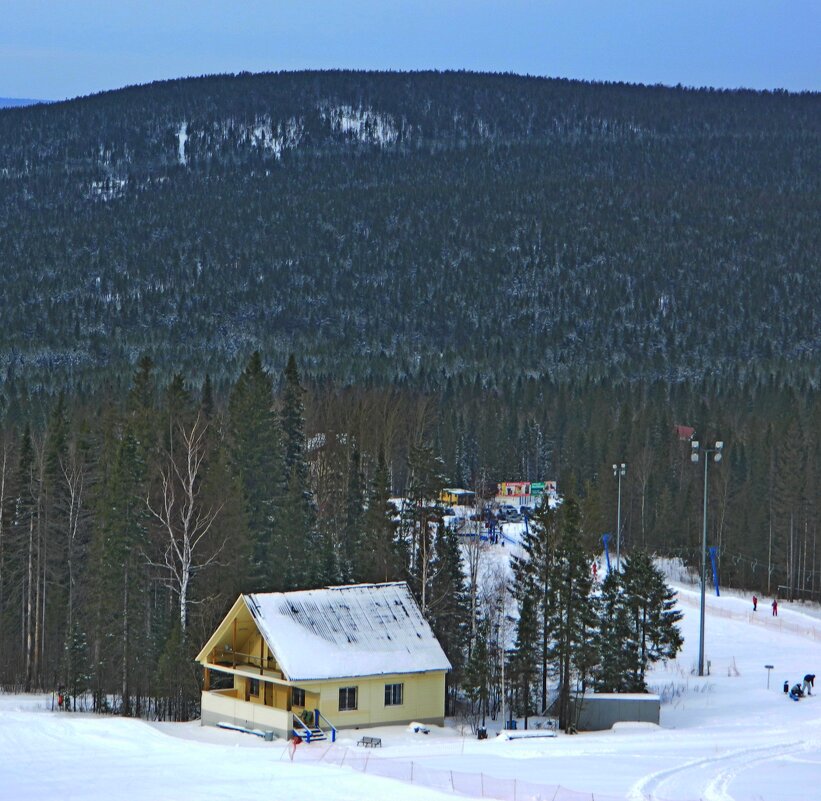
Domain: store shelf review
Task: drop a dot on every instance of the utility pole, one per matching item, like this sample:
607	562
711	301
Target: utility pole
694	457
619	470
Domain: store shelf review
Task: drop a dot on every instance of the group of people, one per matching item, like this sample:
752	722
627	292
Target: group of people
774	605
800	690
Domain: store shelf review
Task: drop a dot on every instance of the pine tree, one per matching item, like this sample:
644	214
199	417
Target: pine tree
573	618
207	397
75	669
351	535
524	662
176	685
118	575
448	608
379	557
303	561
617	651
178	408
292	419
534	570
255	446
653	618
309	560
476	679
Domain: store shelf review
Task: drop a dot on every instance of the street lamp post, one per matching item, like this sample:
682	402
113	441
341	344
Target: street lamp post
694	457
619	470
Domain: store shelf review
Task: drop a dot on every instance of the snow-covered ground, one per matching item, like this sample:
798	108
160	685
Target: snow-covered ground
721	737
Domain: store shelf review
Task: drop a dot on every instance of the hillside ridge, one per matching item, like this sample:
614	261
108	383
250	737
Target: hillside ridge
502	225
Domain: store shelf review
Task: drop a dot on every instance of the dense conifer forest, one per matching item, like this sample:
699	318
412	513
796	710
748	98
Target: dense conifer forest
480	278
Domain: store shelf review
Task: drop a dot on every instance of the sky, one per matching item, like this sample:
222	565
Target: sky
55	49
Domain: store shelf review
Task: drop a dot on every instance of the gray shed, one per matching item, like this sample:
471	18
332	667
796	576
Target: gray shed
601	710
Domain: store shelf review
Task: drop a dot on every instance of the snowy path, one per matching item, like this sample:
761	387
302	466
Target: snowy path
711	777
46	755
724	737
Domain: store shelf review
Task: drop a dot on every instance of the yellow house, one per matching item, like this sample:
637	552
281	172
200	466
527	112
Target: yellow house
314	661
457	497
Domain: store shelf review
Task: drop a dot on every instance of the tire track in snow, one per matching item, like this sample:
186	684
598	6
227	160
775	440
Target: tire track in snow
717	789
645	789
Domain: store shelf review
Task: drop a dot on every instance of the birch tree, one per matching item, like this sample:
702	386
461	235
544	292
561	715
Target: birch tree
183	518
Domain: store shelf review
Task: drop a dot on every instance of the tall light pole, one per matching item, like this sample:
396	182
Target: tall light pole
716	451
619	470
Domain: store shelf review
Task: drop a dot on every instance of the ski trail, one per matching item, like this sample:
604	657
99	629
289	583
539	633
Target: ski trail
645	789
718	788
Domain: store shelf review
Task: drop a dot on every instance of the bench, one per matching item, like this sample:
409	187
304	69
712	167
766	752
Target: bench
371	742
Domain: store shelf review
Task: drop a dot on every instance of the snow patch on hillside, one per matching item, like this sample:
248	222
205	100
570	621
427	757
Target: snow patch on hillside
285	135
107	189
361	124
182	138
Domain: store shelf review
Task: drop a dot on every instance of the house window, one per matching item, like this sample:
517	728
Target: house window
297	696
347	698
253	687
394	694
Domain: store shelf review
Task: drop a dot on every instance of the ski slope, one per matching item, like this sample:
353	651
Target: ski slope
724	736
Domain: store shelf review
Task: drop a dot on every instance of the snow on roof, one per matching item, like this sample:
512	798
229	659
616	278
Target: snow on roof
343	632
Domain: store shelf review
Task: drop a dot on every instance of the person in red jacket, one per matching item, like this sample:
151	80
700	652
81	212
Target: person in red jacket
755	602
775	607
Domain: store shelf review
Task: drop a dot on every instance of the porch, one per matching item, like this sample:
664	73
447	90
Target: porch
259	698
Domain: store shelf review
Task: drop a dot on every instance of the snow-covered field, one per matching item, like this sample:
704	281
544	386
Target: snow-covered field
725	736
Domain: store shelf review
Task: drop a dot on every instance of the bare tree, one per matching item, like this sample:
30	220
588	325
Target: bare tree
475	550
183	518
74	474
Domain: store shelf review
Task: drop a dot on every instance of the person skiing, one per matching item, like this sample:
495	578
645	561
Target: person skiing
775	607
786	686
796	692
755	602
809	683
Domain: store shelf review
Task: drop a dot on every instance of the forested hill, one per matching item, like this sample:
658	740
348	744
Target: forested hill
10	102
397	227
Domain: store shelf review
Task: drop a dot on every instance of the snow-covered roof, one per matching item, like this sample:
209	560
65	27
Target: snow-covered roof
342	632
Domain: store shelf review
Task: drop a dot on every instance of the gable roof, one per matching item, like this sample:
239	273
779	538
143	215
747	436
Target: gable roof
343	632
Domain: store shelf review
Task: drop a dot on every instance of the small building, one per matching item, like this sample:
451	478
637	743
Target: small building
601	710
527	493
684	433
541	488
514	489
457	497
340	657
